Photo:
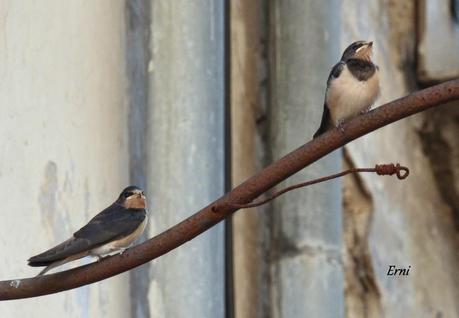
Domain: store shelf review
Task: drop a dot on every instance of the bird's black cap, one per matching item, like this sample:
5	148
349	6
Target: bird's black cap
131	188
127	192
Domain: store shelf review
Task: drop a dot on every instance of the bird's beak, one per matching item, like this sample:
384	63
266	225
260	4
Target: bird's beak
365	51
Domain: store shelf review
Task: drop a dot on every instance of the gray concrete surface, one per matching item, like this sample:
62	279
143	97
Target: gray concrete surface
307	273
137	13
412	222
185	144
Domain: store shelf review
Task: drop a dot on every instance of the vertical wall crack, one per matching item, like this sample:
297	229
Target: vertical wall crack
362	295
438	136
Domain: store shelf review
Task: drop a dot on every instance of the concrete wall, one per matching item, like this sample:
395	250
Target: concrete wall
63	140
410	223
74	132
137	57
185	152
306	267
77	125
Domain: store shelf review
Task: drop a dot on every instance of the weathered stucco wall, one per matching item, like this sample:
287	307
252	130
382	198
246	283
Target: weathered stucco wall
307	274
386	222
63	140
68	145
409	223
251	227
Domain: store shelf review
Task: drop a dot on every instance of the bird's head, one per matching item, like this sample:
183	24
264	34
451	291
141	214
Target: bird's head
132	198
358	50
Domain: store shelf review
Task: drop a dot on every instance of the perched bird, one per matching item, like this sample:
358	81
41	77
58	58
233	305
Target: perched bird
112	230
352	86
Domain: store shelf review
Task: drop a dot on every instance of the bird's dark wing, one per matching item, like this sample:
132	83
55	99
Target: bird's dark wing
66	249
111	224
326	123
335	72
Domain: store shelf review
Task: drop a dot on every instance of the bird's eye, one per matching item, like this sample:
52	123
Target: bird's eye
143	193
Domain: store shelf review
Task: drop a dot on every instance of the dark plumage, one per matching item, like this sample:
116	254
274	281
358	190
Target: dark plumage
108	231
361	69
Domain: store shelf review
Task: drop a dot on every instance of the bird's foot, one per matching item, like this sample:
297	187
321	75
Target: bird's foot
365	110
340	126
122	250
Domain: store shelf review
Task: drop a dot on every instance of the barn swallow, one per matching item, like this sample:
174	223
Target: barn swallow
352	87
112	230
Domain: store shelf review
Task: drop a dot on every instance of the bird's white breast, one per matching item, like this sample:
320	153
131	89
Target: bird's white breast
347	96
